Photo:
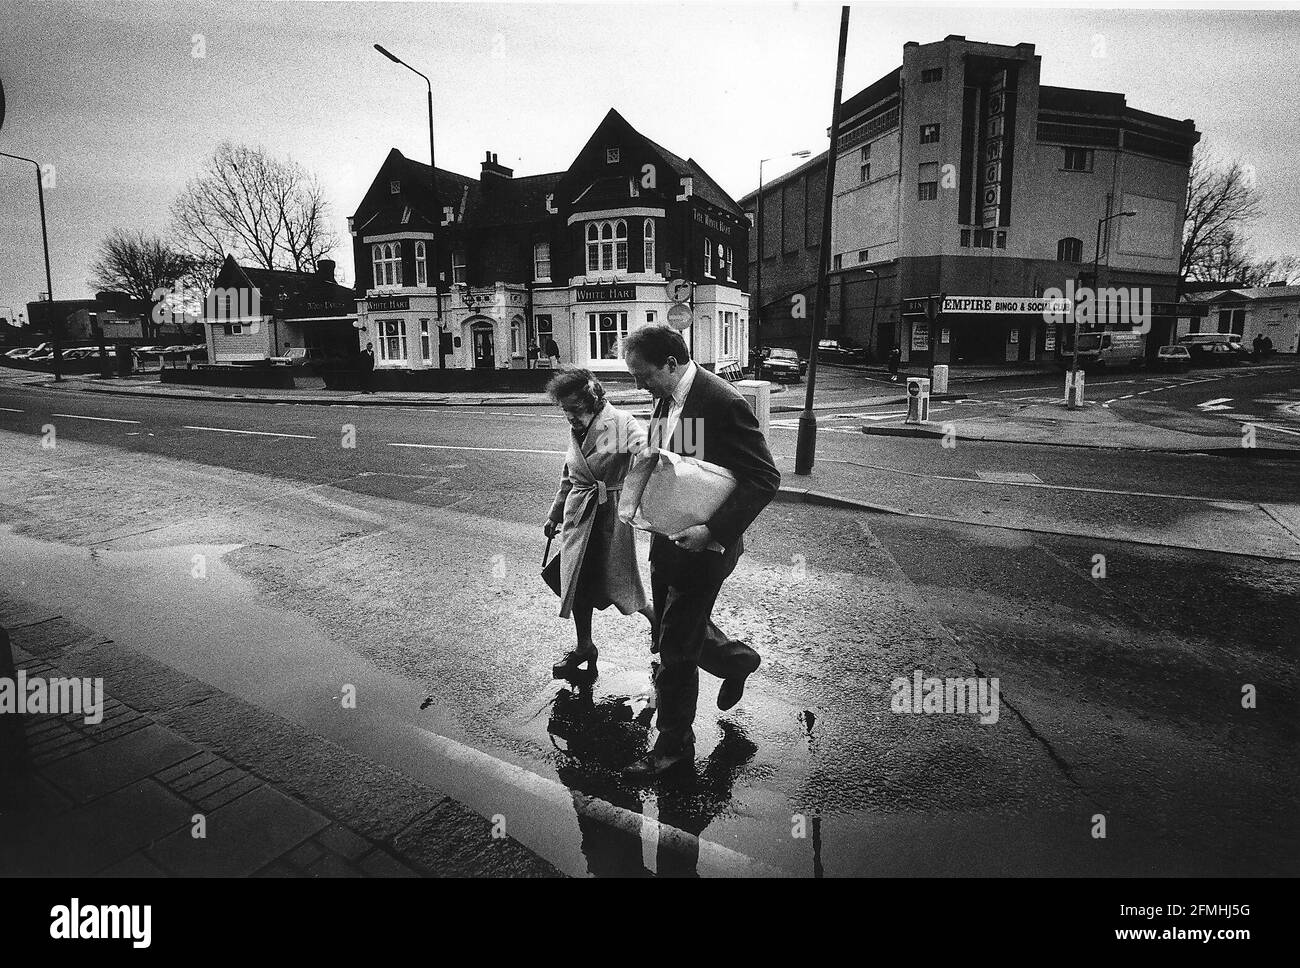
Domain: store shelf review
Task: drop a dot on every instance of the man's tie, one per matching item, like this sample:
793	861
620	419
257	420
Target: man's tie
658	420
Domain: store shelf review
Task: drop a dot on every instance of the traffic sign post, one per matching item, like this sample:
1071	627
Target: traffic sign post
933	313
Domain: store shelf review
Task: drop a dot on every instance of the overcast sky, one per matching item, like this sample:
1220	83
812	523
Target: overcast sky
111	95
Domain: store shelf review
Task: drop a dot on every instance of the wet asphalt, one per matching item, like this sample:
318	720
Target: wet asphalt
1121	696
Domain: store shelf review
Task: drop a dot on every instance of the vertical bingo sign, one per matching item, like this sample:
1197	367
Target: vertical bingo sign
995	135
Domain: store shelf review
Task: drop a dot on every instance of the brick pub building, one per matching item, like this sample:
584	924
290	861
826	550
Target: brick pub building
584	256
958	173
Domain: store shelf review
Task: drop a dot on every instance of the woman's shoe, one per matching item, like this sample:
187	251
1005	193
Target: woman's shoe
567	667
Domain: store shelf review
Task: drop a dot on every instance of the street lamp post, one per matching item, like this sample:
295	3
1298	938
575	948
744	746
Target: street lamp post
49	285
758	264
1096	260
433	181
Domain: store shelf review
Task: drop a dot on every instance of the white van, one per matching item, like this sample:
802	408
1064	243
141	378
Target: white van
1098	350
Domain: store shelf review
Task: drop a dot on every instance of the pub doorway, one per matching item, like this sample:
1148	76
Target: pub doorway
484	348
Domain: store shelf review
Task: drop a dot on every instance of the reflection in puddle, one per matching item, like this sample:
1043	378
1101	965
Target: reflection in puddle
595	740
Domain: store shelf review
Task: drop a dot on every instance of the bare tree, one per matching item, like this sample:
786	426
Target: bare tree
143	267
260	209
1231	260
138	265
1222	199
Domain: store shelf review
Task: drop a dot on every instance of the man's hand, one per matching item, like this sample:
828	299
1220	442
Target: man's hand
694	538
549	528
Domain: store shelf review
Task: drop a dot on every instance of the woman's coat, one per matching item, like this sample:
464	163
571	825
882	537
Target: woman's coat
587	504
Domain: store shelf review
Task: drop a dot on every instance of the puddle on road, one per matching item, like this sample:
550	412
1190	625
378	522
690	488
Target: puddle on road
566	803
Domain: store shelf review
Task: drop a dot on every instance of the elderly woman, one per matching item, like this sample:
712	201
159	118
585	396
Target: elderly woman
597	551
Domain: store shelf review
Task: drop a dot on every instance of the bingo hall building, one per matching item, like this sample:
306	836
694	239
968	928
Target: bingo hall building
959	174
629	234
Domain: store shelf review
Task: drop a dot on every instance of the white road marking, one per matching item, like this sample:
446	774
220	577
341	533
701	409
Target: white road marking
1280	430
489	450
12	410
82	416
254	433
1048	487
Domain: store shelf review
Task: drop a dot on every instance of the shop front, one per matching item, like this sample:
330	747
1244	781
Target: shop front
975	330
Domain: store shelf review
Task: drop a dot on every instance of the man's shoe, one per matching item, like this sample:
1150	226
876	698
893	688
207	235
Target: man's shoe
654	765
733	688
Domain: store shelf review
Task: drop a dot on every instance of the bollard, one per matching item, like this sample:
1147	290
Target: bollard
759	395
940	384
918	400
1074	389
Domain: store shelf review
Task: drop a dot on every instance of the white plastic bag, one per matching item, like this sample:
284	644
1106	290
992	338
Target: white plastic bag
667	493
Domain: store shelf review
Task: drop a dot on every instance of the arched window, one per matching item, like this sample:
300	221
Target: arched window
421	266
386	257
607	246
1069	250
649	237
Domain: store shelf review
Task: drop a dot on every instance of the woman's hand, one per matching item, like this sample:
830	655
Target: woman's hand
550	528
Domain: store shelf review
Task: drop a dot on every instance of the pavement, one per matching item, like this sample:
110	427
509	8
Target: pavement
179	779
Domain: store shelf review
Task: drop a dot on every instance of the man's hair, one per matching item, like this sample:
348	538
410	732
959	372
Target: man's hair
574	381
655	343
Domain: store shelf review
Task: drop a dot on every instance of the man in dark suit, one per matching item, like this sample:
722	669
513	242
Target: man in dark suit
367	371
697	414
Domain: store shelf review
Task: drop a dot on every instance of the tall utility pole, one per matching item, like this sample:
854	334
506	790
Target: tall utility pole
806	447
55	323
1072	397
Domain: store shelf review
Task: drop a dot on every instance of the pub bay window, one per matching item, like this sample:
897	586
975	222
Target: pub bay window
421	265
541	262
605	333
607	246
731	265
387	260
708	258
727	326
545	328
392	339
425	348
517	337
648	254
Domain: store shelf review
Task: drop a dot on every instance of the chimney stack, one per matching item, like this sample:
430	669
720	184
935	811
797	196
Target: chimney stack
490	167
325	268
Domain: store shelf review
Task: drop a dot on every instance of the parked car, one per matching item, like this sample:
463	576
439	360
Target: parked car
780	363
297	356
1173	357
1212	349
840	351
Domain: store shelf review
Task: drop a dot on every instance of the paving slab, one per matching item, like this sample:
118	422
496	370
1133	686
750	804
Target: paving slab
117	763
242	837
